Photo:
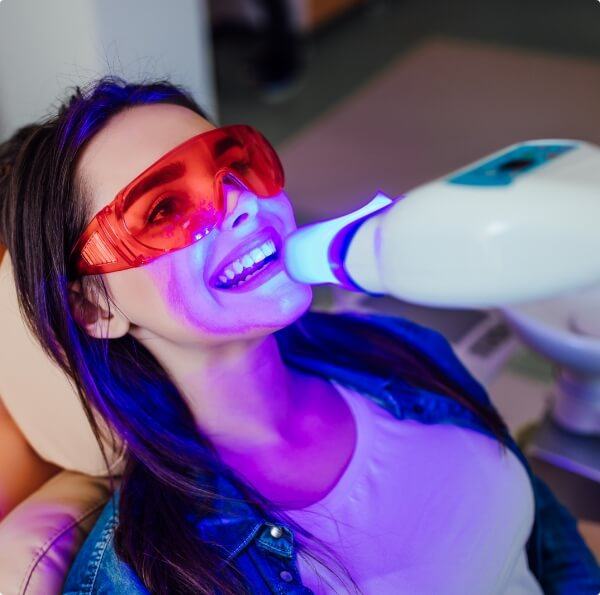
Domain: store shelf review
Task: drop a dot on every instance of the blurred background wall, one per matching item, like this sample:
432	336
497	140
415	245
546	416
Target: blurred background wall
47	46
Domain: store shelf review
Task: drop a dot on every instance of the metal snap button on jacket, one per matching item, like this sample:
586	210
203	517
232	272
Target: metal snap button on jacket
276	532
286	575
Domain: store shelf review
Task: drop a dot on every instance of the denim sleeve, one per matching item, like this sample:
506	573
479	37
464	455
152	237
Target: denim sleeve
567	565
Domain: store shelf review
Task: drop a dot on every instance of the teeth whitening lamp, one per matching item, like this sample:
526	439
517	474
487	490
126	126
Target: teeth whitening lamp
516	226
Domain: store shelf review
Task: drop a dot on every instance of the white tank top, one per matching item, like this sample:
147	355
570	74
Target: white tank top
422	509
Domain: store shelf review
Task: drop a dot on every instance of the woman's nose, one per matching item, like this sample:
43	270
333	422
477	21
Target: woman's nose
240	204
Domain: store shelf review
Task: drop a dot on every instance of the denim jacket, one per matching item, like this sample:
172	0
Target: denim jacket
557	555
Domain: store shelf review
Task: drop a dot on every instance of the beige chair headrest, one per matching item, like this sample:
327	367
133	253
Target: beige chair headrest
38	394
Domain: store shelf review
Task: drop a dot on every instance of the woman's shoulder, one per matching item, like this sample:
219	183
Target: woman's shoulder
97	568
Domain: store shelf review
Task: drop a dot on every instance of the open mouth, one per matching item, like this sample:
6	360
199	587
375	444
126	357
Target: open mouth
253	267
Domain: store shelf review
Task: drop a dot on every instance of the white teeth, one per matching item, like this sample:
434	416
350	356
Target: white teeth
257	254
248	260
268	248
223	278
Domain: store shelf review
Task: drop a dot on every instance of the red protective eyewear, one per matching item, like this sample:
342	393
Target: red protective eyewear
177	200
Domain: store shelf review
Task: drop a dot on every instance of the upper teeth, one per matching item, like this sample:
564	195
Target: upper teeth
247	260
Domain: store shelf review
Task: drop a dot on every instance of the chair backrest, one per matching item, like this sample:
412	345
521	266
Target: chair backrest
40	537
39	396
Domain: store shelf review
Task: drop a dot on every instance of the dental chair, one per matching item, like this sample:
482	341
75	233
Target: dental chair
41	535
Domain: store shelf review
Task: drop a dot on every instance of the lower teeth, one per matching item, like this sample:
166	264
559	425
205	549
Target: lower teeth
250	276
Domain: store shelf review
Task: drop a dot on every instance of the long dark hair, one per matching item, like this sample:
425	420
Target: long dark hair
171	467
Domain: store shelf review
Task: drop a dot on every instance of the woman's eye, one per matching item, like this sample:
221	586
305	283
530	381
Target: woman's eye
161	209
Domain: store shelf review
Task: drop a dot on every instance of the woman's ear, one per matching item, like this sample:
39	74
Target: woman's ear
94	319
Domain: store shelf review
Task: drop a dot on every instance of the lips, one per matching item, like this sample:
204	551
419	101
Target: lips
247	245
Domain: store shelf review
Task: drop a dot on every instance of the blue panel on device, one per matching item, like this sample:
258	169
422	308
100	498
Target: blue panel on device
502	170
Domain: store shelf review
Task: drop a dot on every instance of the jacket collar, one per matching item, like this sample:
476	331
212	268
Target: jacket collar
234	523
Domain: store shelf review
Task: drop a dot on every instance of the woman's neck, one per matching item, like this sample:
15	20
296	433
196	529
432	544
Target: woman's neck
242	394
288	433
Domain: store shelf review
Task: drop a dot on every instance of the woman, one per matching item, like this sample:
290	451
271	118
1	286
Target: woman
241	412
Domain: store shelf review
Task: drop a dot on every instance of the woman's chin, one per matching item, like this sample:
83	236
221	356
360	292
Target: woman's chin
287	305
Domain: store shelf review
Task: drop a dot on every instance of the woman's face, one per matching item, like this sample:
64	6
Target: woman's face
170	297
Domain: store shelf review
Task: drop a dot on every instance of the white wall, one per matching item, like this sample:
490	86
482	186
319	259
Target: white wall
47	46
